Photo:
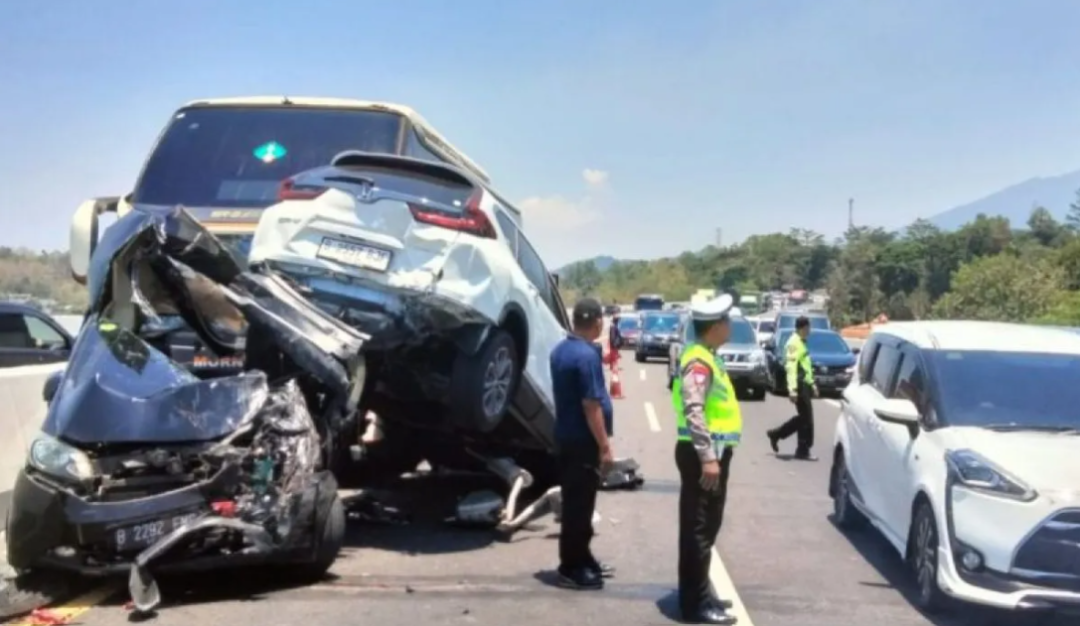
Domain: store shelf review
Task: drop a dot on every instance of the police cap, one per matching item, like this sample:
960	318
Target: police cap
714	310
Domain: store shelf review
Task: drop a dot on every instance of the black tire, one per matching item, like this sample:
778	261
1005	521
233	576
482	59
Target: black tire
757	394
923	560
483	386
639	357
845	514
329	539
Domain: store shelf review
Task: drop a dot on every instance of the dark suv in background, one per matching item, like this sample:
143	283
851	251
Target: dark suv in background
658	331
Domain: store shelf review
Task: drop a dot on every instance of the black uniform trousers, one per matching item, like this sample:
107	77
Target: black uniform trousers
579	478
802	424
701	514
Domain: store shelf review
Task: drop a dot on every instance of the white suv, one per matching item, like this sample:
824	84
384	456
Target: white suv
426	258
959	441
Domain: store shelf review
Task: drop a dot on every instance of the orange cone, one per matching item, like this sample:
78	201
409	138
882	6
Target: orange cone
616	385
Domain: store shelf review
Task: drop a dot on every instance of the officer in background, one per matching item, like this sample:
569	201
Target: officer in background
709	428
801	391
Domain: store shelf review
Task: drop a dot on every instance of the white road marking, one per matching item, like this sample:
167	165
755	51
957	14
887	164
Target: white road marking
650	414
641	373
835	403
725	589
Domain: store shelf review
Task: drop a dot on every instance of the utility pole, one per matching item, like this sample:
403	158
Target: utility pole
851	213
719	237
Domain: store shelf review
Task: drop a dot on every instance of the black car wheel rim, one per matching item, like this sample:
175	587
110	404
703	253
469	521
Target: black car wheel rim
925	556
841	502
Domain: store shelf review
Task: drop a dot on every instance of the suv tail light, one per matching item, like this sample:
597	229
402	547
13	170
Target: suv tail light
471	220
289	190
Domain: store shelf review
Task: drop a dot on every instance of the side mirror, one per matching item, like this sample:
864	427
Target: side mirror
84	234
856	350
897	411
52	384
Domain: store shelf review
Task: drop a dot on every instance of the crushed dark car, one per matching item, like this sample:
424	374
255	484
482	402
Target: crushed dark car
143	466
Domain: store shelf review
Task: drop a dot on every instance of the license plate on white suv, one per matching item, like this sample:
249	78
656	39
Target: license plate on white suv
354	254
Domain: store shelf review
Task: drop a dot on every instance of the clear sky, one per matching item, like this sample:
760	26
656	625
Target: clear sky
625	127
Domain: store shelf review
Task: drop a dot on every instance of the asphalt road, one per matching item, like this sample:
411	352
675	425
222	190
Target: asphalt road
788	563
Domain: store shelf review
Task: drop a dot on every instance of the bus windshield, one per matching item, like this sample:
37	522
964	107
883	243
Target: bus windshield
236	156
649	303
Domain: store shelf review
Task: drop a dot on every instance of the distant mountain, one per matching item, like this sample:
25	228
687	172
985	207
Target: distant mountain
1055	193
602	263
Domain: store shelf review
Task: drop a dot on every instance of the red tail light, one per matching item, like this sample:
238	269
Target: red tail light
472	220
289	190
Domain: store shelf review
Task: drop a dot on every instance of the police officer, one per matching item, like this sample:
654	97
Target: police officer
709	428
801	390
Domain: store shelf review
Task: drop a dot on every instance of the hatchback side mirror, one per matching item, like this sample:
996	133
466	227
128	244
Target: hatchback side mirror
897	411
51	386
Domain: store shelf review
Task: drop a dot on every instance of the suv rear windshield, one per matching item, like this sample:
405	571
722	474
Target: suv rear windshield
649	303
235	157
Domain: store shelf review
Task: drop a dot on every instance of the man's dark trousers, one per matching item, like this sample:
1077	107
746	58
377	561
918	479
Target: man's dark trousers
802	424
701	513
579	477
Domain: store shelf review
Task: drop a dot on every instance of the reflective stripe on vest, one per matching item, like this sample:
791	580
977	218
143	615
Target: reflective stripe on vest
722	414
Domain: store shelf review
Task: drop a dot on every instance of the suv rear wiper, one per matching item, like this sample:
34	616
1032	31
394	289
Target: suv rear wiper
1064	430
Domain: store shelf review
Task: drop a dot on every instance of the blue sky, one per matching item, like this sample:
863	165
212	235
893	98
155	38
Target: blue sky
748	115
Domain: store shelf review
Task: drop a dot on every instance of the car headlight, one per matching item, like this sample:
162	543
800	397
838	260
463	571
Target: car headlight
973	471
757	357
56	458
850	370
646	337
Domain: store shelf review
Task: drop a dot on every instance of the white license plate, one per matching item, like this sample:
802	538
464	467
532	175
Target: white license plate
148	533
355	254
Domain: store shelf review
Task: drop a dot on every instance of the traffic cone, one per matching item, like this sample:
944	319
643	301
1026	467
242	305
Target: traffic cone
616	385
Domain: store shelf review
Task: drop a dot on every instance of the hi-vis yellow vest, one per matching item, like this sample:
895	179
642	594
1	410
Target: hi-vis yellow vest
722	414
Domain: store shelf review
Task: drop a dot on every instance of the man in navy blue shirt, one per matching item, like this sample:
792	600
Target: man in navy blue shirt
583	416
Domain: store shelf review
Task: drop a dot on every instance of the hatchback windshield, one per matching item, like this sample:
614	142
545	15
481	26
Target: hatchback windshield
816	321
660	323
742	332
235	157
820	343
629	323
979	388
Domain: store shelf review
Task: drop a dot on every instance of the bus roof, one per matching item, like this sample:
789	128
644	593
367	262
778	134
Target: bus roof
414	118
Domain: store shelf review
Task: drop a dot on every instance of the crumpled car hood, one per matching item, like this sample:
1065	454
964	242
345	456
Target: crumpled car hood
121	390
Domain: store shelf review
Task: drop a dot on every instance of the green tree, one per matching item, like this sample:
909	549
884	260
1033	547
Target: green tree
1002	288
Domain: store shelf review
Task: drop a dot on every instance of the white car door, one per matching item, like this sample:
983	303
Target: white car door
898	453
858	418
546	315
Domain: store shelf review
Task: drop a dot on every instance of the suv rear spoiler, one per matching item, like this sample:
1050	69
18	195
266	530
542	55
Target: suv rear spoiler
445	171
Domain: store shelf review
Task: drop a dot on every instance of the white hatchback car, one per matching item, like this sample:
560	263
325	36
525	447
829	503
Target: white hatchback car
959	441
425	258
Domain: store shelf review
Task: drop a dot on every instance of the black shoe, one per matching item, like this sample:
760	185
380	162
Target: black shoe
709	615
804	456
605	570
774	442
582	579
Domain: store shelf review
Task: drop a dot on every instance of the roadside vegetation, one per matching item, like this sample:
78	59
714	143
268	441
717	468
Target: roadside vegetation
987	270
41	278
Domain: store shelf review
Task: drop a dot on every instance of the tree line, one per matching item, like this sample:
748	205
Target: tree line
988	269
40	276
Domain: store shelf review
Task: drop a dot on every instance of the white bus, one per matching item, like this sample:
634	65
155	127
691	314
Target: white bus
225	159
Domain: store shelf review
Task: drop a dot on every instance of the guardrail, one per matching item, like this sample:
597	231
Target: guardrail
23	411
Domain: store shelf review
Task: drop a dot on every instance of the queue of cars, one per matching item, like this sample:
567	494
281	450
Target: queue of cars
959	441
308	289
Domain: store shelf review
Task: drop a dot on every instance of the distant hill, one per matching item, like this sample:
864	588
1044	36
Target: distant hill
1055	193
602	263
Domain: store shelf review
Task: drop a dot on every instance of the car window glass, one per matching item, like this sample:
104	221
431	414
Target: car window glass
909	382
884	368
537	274
509	230
13	331
866	360
42	334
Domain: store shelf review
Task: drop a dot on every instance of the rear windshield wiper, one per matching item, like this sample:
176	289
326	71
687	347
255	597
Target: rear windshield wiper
1065	430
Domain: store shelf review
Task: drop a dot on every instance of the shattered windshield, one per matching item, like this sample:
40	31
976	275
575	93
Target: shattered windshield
119	389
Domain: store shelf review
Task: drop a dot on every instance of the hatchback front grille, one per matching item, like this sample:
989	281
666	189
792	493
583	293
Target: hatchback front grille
1050	557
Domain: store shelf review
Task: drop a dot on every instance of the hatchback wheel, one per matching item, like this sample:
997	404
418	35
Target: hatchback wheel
845	514
924	559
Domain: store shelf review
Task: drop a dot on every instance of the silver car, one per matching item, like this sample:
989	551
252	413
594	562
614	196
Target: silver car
743	358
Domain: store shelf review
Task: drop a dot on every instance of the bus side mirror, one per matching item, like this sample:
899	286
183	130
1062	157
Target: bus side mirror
84	234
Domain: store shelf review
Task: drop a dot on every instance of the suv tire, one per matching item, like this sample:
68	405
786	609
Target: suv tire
482	386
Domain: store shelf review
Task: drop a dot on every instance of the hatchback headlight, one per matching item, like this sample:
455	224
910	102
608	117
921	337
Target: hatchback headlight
973	471
56	458
757	357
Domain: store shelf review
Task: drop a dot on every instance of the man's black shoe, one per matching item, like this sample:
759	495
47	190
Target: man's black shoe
605	570
582	579
710	615
774	442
